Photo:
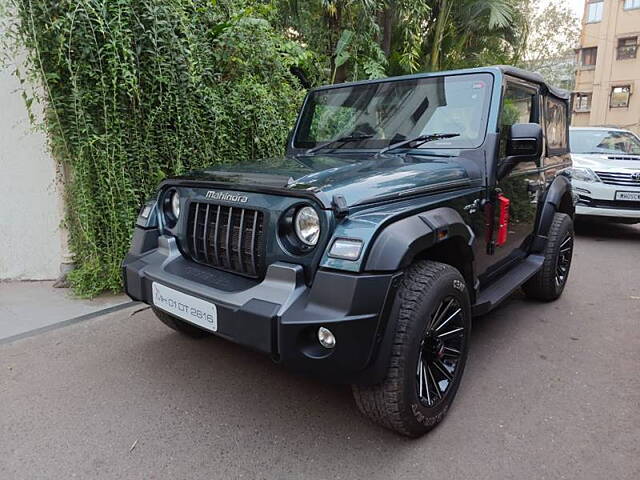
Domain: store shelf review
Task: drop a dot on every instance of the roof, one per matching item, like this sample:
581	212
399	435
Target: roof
604	129
536	78
504	69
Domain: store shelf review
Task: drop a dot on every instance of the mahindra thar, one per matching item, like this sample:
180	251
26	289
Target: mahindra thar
402	208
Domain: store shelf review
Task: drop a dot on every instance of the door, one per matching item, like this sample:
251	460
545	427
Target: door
521	186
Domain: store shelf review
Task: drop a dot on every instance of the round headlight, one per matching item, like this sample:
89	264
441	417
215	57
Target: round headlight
307	225
175	204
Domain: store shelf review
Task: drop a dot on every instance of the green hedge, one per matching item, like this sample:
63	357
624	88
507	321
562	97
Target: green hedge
136	90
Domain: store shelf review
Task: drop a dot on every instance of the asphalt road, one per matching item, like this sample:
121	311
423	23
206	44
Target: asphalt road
551	391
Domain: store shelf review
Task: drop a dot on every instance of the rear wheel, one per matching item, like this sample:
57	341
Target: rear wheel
428	354
179	325
548	284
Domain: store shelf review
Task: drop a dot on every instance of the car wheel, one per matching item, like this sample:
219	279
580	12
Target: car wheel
428	355
180	325
548	284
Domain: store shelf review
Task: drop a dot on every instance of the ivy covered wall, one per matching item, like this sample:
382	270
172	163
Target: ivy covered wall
136	90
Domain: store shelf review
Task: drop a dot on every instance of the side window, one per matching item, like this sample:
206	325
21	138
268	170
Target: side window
518	106
555	116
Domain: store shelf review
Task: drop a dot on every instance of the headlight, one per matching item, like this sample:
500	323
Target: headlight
307	225
175	204
582	174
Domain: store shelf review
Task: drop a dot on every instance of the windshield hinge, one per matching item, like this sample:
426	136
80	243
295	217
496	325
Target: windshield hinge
339	205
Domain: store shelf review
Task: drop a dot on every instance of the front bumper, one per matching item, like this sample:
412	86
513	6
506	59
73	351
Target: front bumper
279	315
599	199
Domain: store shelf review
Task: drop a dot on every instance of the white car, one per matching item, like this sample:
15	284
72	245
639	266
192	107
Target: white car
606	173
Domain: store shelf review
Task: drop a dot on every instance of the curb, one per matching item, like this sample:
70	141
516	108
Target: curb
66	323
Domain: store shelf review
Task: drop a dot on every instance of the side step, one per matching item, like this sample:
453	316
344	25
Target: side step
498	291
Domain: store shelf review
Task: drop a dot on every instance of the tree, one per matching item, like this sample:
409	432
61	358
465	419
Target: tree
552	33
355	39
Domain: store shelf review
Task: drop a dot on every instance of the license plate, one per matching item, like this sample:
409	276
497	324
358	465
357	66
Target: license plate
633	196
192	309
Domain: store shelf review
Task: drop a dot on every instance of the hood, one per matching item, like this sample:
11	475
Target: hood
607	162
358	180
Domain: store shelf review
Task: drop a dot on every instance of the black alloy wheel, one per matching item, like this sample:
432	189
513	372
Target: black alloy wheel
440	352
564	259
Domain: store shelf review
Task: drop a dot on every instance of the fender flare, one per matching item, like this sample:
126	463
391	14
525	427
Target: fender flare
552	204
398	243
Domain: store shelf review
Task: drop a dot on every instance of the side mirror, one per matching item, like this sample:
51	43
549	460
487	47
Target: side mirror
524	144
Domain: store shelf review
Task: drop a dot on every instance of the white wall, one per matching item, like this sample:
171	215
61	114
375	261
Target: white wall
30	201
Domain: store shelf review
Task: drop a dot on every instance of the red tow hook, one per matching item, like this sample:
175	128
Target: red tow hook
503	219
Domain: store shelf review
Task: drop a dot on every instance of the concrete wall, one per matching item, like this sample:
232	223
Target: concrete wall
609	71
30	202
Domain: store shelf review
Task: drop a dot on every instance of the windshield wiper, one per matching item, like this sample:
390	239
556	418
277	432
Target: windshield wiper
419	140
348	138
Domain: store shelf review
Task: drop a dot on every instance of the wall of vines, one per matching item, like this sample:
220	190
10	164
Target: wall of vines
135	90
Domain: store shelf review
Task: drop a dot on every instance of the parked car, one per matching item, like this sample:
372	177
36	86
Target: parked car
606	173
403	207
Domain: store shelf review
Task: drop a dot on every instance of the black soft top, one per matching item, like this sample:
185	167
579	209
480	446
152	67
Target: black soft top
537	78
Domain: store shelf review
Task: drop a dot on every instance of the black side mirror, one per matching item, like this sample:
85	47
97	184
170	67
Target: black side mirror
524	144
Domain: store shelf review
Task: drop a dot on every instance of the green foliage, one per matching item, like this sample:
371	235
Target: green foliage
136	90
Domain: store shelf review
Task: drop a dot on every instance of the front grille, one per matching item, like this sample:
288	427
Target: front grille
627	157
228	238
612	178
620	204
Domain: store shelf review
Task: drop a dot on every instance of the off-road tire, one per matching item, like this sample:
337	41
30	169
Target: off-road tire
544	285
395	403
180	325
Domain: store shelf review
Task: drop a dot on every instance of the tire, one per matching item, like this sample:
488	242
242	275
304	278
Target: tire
548	284
180	325
401	402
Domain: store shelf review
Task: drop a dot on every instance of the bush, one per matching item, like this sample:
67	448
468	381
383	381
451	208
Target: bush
136	90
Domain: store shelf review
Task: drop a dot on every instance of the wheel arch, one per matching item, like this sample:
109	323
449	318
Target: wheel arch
559	198
440	235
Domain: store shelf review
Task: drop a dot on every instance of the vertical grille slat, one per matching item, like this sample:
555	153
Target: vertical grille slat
225	237
195	233
252	250
240	233
204	234
227	243
215	238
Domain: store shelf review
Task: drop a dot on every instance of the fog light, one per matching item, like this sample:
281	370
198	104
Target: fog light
326	338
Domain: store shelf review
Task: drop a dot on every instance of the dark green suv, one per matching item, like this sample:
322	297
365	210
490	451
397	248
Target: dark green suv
403	207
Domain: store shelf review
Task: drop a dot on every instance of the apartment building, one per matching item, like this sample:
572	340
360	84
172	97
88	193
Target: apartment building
607	89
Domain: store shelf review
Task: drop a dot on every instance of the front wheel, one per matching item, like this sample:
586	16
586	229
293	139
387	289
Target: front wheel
548	284
428	354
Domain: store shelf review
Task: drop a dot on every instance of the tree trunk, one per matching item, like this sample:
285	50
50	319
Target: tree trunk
386	18
438	35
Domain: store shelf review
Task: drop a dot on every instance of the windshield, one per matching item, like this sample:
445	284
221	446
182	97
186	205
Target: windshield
389	112
604	141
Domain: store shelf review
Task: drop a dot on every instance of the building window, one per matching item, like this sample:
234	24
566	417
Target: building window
594	11
582	102
627	47
620	96
631	4
589	56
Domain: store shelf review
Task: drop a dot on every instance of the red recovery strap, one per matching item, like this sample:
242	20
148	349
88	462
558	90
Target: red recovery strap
503	219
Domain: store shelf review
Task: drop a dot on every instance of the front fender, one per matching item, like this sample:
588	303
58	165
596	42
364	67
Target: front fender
398	244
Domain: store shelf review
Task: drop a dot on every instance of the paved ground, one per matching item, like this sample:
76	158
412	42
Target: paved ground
551	391
28	306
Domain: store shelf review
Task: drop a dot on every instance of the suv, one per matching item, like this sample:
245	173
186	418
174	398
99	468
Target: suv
606	173
403	207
